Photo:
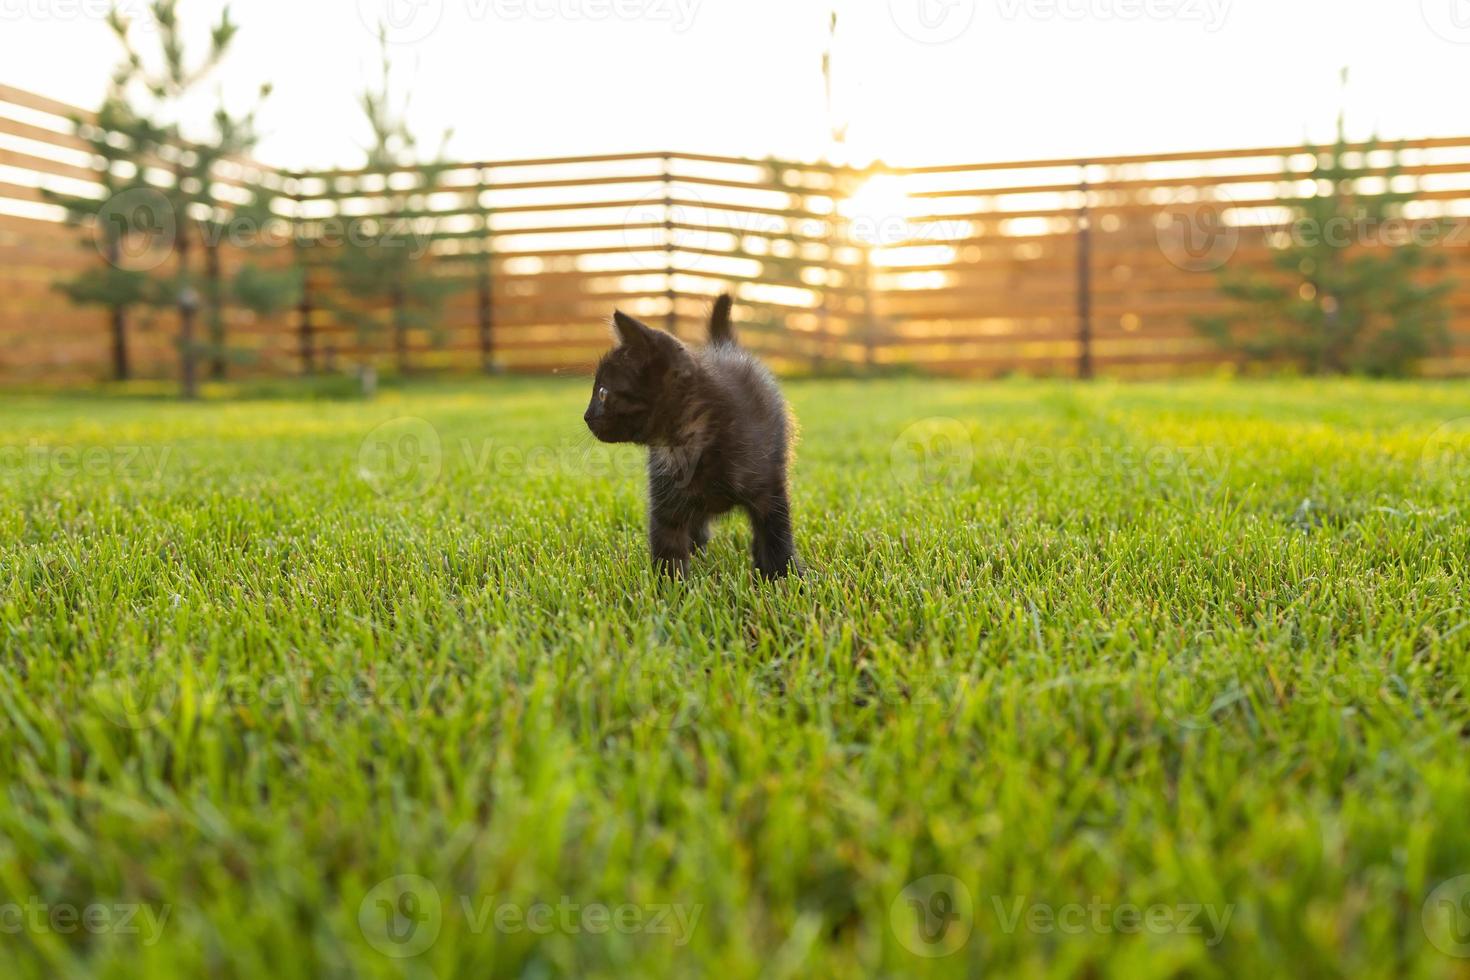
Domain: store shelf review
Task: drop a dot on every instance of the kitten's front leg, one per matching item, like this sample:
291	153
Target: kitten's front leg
671	545
670	521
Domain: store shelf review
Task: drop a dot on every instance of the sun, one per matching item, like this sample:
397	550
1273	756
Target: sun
878	213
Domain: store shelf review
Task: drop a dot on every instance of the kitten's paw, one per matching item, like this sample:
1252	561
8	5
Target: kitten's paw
672	568
776	570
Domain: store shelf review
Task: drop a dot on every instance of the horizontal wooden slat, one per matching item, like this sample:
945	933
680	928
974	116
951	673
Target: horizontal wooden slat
486	165
40	103
39	134
26	161
1449	142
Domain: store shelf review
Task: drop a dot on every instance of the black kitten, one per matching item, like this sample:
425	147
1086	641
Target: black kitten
718	435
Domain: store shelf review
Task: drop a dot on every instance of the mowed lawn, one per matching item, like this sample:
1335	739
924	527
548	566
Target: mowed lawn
1110	681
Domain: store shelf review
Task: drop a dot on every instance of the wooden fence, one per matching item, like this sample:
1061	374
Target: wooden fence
1046	267
45	338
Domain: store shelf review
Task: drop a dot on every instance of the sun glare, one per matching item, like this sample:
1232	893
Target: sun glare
878	214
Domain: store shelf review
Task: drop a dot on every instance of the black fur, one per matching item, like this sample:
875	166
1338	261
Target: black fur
718	435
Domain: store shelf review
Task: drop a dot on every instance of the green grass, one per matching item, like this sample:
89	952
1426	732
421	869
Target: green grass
1198	648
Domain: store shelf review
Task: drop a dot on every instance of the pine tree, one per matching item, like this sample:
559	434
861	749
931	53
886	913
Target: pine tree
1351	292
126	220
245	226
385	263
215	223
174	176
265	289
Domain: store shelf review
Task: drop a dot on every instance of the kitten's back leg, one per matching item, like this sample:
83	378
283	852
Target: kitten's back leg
774	547
699	533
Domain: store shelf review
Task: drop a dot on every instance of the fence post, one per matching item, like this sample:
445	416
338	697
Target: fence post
824	320
672	294
304	307
870	317
835	192
486	309
1084	279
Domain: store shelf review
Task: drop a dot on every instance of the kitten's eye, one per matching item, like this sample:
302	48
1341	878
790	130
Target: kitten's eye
602	394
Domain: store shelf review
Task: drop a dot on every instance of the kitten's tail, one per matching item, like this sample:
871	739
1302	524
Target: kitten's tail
721	330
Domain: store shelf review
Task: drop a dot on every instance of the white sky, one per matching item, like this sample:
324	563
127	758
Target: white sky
920	81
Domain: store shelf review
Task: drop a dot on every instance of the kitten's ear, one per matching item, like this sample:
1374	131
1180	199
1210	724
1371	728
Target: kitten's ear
631	332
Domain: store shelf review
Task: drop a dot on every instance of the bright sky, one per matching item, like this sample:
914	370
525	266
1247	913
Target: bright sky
918	81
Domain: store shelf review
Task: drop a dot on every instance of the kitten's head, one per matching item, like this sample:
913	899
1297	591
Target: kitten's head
636	383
